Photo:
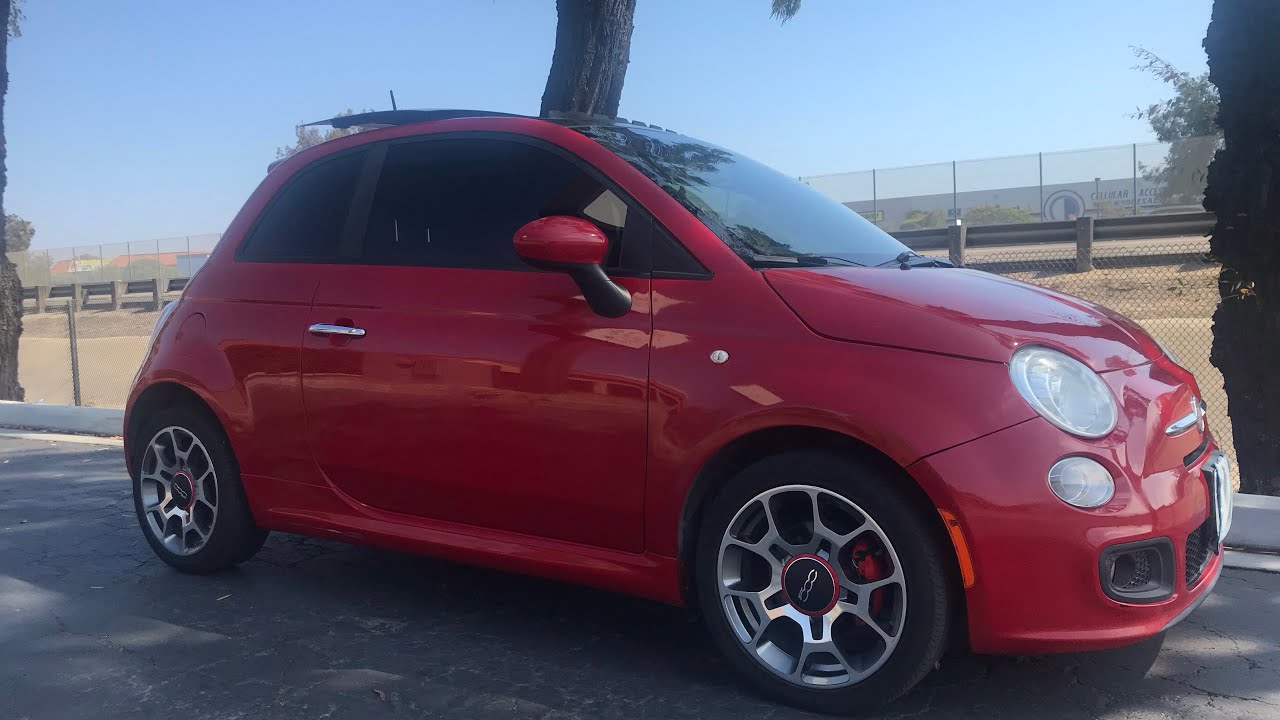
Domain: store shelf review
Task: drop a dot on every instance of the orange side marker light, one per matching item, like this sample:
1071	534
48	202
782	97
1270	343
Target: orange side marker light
962	547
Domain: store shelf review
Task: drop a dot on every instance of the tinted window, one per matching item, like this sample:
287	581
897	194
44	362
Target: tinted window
458	202
305	219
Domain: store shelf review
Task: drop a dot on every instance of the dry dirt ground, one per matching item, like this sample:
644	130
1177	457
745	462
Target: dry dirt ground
111	347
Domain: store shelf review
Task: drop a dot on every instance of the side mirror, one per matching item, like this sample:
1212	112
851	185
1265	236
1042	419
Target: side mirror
577	247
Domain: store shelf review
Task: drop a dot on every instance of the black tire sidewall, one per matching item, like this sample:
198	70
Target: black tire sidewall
916	543
235	536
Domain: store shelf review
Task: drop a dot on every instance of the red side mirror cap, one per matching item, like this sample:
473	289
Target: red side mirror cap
561	242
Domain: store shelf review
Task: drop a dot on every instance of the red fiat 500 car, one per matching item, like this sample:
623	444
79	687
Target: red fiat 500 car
611	354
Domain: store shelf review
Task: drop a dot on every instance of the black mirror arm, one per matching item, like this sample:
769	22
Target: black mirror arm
605	296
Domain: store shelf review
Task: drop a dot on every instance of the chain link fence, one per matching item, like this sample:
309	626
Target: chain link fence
1170	289
84	353
164	259
1118	181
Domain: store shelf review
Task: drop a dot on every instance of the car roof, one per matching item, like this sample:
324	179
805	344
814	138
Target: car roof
393	118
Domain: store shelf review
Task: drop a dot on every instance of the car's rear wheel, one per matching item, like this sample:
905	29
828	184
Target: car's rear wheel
822	583
187	493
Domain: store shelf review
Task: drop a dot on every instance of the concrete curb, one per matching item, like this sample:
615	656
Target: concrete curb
1255	523
1261	562
105	422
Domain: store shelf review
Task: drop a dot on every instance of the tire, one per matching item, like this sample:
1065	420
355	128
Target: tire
913	612
222	532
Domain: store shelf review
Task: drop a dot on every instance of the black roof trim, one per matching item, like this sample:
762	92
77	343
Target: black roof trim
404	117
569	119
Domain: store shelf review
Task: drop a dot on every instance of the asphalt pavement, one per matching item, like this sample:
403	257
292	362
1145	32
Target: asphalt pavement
93	626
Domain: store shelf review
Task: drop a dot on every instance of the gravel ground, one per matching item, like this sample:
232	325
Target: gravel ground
93	626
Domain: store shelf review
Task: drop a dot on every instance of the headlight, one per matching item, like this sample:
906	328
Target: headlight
1081	482
1064	391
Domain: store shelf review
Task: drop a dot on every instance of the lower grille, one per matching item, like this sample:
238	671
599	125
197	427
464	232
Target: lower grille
1198	548
1137	575
1138	572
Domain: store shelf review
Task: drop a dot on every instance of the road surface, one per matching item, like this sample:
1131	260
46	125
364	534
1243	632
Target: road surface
93	626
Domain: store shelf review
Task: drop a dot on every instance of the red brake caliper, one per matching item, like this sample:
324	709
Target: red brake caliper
870	565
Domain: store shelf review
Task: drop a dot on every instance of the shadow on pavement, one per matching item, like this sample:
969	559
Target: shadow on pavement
93	626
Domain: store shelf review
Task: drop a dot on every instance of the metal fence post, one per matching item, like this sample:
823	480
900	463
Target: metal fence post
1084	243
875	202
956	235
1042	213
955	193
75	351
1135	179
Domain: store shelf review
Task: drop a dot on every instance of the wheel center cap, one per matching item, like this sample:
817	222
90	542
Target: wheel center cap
184	489
809	584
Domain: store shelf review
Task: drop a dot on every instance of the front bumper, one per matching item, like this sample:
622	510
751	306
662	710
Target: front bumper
1038	585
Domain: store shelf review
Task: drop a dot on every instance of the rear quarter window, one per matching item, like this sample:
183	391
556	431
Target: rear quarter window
305	219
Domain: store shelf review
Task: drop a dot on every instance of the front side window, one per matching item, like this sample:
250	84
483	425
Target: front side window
755	210
458	203
304	222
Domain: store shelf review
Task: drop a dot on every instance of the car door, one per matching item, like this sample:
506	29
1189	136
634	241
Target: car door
482	391
258	307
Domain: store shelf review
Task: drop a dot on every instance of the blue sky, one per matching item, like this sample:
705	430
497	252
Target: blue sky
140	119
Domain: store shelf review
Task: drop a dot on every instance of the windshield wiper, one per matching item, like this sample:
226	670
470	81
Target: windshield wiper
800	261
909	259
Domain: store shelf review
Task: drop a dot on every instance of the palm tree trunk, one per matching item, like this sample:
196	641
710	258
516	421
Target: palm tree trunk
1244	191
593	47
10	285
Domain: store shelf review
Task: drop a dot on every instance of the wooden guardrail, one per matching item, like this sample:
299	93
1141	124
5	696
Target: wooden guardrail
79	293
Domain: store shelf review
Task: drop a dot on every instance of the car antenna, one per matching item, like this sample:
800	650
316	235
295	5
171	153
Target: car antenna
393	99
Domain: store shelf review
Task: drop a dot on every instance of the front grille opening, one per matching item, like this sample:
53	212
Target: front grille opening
1138	572
1132	571
1199	546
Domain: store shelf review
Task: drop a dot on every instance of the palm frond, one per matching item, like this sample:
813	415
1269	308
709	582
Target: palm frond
784	10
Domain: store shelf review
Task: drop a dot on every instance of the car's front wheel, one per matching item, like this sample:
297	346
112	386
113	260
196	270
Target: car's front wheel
187	493
822	583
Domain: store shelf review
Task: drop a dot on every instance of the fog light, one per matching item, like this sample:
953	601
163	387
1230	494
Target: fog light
1081	482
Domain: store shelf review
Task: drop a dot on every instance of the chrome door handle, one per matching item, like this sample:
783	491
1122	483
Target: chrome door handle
343	330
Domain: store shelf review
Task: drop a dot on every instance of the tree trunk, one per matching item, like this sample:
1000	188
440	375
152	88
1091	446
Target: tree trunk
593	47
1244	191
10	285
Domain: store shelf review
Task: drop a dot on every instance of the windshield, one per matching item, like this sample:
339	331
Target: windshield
755	210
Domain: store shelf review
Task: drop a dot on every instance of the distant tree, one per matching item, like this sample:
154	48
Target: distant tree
997	214
1187	122
10	283
924	220
18	233
310	136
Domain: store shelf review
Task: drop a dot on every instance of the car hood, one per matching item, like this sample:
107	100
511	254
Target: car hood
959	312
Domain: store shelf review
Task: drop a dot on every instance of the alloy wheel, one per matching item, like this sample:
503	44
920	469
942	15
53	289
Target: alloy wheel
811	586
179	490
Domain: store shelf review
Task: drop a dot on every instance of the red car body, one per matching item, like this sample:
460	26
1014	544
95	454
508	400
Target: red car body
501	424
